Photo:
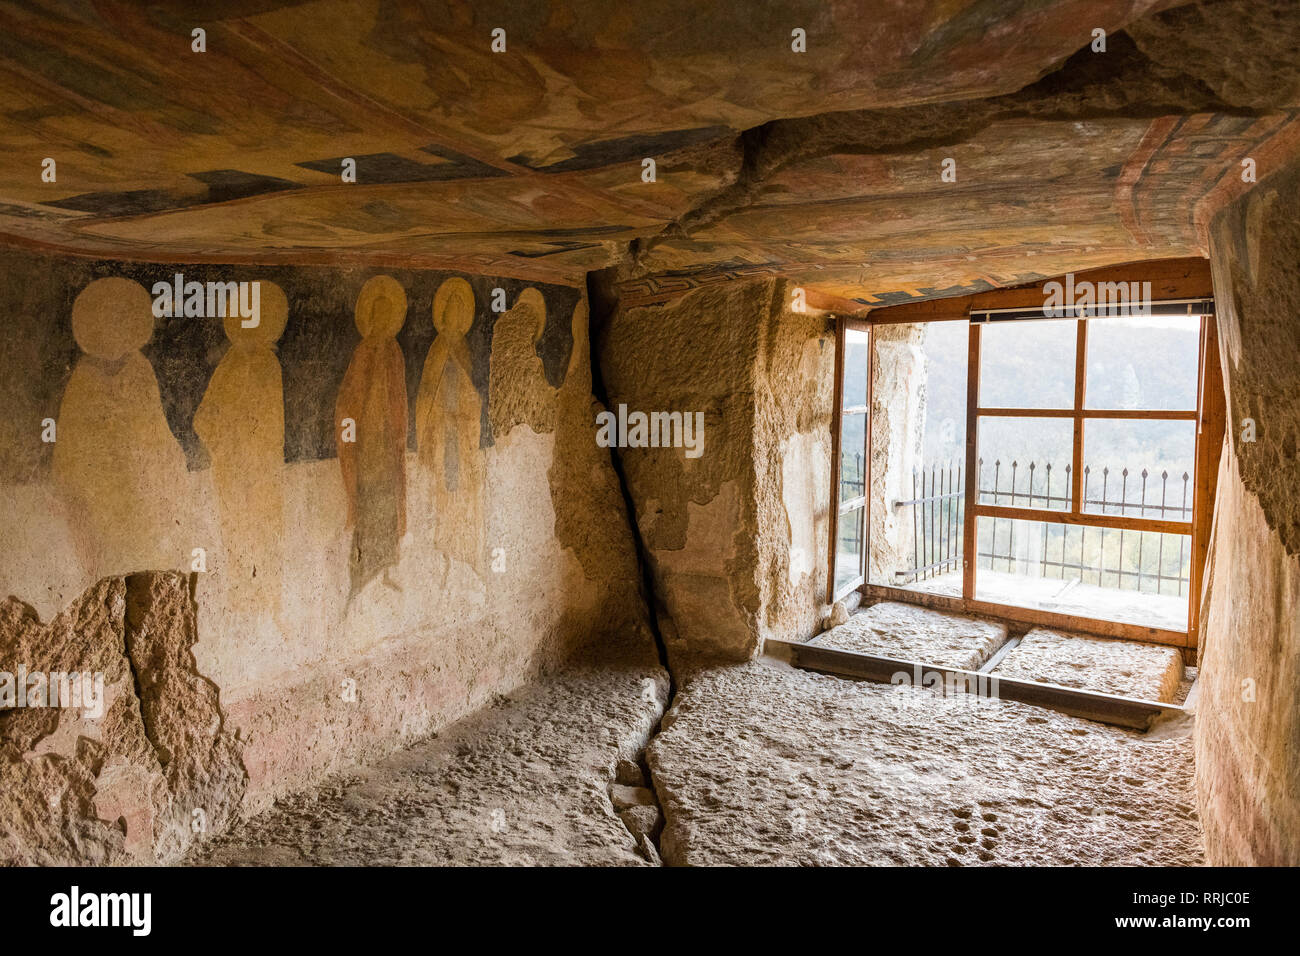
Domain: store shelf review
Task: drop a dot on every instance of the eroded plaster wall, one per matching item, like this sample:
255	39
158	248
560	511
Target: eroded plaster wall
737	537
349	592
1248	716
897	432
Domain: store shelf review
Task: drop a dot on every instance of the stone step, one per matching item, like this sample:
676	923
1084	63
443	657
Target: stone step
1127	668
908	632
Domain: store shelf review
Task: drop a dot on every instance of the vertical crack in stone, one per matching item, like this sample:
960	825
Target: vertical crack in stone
631	776
601	305
637	805
181	713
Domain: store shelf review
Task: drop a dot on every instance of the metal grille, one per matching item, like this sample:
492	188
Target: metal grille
938	506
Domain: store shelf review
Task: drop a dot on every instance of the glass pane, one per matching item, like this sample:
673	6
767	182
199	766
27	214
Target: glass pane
1028	364
853	460
856	358
918	452
1149	362
1026	462
848	549
1135	577
1144	469
947	352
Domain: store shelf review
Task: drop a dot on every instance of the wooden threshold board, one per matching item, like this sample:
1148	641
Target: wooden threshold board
1128	712
1009	645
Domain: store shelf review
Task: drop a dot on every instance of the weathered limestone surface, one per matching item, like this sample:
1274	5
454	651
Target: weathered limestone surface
1256	73
765	764
140	783
458	147
1248	763
1127	668
736	537
1097	162
911	633
535	778
898	416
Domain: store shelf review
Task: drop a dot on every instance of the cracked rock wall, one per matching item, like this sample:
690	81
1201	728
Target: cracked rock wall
736	538
156	770
1248	763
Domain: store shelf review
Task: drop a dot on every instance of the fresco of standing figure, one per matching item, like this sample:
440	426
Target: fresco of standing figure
370	419
116	462
241	423
448	426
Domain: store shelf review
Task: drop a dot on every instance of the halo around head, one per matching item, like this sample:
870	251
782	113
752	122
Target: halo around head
273	313
381	308
453	307
112	317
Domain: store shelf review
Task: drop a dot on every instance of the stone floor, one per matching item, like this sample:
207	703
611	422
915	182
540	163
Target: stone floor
911	633
761	763
1128	668
756	763
531	780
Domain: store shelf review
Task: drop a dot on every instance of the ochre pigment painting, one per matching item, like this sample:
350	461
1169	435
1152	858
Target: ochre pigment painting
370	415
401	380
448	425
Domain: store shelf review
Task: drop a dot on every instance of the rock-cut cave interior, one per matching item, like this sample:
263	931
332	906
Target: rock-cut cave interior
575	433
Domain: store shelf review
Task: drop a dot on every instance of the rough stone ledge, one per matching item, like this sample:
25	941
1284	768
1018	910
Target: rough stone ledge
1127	668
908	632
141	782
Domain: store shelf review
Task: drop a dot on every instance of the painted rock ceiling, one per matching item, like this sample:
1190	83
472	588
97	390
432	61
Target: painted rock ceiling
822	166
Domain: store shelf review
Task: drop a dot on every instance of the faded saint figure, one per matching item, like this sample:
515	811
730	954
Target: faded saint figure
116	461
241	423
370	420
448	422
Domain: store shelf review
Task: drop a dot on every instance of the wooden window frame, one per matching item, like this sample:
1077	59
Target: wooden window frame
1176	279
842	327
